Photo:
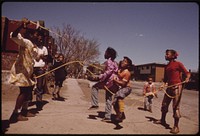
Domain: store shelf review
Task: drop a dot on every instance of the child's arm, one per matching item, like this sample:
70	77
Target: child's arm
154	91
186	72
110	68
24	24
124	80
144	89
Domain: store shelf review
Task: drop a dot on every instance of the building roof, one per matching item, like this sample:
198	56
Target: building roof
154	63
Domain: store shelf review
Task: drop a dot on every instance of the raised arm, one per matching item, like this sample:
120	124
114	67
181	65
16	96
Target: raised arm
24	24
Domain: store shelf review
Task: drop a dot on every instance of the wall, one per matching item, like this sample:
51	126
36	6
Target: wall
159	74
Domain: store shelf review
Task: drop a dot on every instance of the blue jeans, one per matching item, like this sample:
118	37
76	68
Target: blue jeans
94	96
39	91
148	102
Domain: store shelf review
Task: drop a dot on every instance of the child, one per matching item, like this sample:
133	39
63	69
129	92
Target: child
149	91
60	76
122	80
22	70
39	69
173	76
105	79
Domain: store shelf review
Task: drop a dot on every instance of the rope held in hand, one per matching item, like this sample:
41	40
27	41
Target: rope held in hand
170	87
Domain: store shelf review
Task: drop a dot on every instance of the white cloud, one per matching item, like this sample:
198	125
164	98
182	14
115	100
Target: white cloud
139	35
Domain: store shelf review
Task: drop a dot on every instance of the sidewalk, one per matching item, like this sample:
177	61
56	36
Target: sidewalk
72	116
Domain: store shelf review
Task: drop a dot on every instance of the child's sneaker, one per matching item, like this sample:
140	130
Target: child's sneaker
106	119
93	107
174	130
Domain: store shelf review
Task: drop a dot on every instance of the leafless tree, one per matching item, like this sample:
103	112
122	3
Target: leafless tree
75	47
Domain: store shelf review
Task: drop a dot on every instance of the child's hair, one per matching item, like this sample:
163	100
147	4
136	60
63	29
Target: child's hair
150	76
130	65
28	33
174	53
40	32
111	53
61	55
119	65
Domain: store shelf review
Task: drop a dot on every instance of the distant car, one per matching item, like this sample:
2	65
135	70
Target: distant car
192	85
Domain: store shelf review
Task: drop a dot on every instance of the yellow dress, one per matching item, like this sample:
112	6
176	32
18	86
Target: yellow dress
22	70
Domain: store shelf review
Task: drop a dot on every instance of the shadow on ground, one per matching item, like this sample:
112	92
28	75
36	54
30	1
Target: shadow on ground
5	125
59	99
151	119
101	114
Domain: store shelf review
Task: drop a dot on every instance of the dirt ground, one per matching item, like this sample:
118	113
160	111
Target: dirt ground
71	116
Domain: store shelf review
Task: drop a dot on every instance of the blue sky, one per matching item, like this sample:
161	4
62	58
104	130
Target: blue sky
139	30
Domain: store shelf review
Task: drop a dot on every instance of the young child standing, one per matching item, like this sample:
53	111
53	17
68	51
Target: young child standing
173	77
60	76
40	65
149	91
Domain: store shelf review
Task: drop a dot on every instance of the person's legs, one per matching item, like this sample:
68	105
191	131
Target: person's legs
116	106
29	96
122	94
108	107
59	88
94	95
145	103
55	91
121	105
176	109
150	101
39	90
120	115
21	99
58	92
164	109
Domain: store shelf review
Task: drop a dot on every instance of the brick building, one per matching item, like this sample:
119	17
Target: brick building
156	70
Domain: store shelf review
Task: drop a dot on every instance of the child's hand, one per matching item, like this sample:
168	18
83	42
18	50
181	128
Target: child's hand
163	86
187	80
25	22
37	58
96	78
156	95
115	78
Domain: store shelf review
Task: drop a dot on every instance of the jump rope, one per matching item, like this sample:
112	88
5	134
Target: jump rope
82	64
161	88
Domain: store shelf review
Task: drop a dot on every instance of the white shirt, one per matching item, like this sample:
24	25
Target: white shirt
41	51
